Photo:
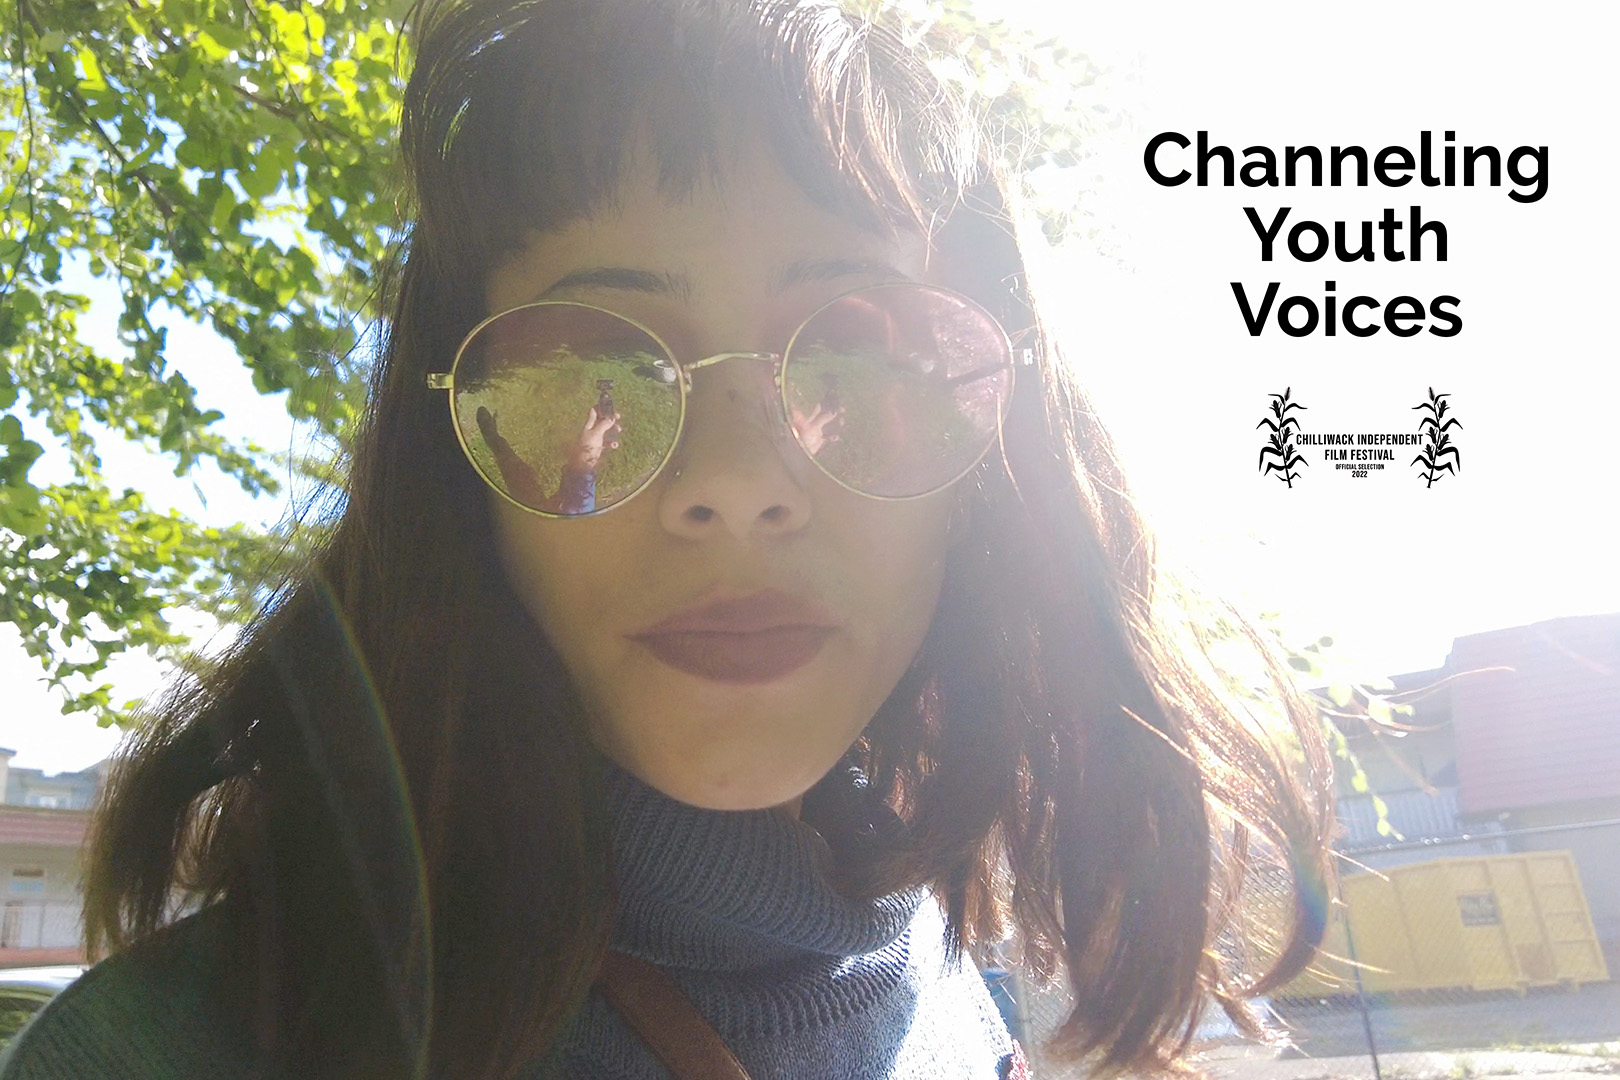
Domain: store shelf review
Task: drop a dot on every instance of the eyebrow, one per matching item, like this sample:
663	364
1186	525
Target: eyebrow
624	278
801	271
798	272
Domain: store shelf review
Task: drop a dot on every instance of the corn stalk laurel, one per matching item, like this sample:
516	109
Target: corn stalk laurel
1439	454
1279	455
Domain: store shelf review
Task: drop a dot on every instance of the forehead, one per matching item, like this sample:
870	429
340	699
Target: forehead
748	227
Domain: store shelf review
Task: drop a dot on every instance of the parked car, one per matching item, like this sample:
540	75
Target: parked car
24	991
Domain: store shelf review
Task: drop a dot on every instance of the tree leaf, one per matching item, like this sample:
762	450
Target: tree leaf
91	79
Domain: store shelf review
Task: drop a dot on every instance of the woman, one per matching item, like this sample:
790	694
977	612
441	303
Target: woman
766	609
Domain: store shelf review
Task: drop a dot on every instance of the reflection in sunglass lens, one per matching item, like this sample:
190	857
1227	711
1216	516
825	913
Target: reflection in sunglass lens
898	390
565	408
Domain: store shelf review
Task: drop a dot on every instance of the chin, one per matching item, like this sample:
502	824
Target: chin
741	766
757	798
728	745
722	787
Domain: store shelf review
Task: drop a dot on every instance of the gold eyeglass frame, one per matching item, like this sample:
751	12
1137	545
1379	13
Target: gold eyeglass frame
446	380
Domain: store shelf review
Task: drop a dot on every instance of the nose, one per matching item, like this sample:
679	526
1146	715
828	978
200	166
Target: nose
736	470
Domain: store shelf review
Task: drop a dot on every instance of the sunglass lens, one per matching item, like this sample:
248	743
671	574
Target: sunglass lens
566	409
898	390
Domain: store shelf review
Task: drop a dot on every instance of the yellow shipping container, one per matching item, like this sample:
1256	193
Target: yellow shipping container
1489	922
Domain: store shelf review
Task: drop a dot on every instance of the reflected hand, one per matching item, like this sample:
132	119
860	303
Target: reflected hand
812	430
600	433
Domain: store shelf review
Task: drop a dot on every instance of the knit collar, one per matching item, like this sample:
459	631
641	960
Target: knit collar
730	890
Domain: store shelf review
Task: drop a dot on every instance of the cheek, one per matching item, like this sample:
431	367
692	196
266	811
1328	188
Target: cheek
555	569
898	563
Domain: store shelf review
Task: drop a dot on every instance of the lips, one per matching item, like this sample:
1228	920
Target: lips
748	639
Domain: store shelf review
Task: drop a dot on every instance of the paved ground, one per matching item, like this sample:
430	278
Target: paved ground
1550	1033
1576	1062
1550	1015
1590	1061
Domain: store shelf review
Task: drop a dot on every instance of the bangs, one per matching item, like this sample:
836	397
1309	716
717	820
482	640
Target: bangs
523	117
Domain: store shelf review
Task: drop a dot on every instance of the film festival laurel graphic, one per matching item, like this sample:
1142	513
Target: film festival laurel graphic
1279	455
1439	455
1359	454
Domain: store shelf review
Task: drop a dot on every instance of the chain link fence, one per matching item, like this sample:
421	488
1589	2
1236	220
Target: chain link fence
1493	952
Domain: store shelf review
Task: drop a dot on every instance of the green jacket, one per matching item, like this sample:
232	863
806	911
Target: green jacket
153	1012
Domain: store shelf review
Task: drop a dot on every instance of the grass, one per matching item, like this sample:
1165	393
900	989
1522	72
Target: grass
541	408
897	424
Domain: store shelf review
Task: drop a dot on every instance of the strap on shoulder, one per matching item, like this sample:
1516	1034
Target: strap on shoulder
655	1008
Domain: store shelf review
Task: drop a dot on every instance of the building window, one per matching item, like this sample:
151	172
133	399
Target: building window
52	802
27	881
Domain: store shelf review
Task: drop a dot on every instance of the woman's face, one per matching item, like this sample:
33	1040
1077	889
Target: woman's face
733	627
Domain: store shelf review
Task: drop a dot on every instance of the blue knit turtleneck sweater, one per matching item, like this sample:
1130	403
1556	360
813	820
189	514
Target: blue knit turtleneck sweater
798	981
736	905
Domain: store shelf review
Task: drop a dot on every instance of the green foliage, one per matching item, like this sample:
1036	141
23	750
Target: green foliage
14	1016
1235	648
1346	704
1049	104
230	158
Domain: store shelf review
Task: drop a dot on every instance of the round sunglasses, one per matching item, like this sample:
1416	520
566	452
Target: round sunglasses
567	409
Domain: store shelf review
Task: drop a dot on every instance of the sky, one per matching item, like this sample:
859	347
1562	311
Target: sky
1391	568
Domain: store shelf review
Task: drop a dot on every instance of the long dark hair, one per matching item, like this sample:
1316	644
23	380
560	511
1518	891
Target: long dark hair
387	782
